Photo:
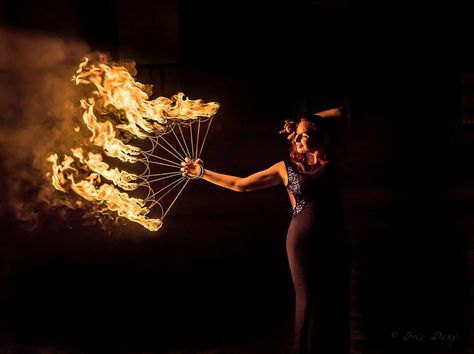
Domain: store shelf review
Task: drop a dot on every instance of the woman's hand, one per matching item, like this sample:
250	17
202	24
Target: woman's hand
289	128
192	169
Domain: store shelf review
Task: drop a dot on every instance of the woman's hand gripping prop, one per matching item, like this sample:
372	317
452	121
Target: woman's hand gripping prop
192	169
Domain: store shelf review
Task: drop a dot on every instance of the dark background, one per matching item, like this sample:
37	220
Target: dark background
216	275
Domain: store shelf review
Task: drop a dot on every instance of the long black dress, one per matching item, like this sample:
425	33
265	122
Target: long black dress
319	254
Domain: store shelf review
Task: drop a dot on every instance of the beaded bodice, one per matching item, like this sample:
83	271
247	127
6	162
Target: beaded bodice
294	187
316	185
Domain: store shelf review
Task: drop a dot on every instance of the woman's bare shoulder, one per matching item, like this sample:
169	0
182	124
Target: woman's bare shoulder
280	166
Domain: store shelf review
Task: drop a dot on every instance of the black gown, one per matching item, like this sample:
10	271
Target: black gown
319	254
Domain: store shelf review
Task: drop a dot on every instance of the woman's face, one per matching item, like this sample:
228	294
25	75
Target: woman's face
302	137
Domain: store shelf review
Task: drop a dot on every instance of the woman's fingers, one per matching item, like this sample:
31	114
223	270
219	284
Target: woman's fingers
289	124
190	168
288	127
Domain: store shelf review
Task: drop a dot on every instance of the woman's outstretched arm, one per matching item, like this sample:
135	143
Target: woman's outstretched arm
270	177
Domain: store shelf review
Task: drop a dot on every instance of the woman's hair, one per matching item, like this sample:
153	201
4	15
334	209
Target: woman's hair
322	135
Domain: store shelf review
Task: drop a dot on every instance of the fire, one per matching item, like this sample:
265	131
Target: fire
117	111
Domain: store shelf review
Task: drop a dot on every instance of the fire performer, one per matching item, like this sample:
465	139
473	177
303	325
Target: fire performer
318	248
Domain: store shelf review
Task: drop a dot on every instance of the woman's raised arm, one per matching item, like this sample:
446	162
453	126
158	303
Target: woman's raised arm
270	177
331	113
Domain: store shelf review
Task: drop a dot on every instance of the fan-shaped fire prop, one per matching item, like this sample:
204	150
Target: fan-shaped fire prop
118	112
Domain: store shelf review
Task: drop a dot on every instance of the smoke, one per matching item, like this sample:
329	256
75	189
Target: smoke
39	107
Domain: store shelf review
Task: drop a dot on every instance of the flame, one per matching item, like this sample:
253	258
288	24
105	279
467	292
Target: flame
117	110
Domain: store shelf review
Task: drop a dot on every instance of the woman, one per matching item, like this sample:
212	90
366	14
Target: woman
318	249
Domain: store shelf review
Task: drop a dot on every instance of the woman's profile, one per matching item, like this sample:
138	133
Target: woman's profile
317	245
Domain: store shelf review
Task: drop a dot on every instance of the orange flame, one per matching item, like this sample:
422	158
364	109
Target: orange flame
117	111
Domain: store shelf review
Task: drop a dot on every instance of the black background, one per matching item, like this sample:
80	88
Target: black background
215	276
